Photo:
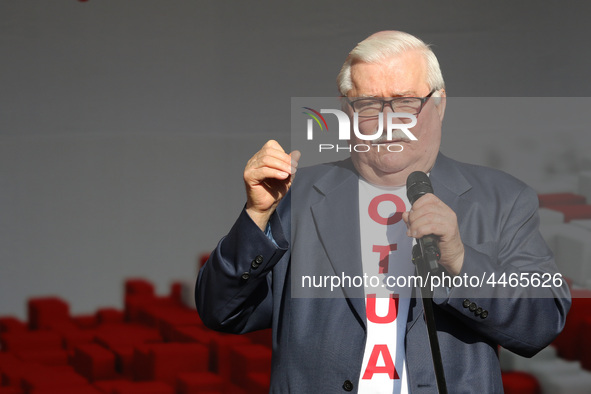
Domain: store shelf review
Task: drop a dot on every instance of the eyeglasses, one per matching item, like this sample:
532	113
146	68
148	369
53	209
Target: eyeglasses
372	107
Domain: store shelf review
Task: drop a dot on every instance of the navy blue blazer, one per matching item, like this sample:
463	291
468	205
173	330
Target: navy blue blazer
251	283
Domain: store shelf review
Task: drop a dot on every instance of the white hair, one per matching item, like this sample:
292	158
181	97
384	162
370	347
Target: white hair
384	45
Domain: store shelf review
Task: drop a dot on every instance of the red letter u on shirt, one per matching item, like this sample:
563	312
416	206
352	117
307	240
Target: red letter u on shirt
370	309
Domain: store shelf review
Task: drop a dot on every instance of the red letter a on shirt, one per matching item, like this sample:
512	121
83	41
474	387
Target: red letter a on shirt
372	366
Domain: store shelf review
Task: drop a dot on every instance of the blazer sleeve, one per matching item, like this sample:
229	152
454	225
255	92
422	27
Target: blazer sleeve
233	290
527	312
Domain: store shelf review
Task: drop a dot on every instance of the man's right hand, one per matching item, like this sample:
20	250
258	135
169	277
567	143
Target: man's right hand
268	176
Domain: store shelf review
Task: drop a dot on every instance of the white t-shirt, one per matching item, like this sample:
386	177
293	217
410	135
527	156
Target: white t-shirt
386	256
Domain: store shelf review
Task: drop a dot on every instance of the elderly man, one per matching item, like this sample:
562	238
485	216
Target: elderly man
485	222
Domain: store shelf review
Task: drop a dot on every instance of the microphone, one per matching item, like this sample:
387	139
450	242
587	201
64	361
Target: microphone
425	254
417	185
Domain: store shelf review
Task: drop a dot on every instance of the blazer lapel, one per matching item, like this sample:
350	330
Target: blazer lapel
336	217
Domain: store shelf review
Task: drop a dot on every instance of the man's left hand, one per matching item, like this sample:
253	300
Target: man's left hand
430	215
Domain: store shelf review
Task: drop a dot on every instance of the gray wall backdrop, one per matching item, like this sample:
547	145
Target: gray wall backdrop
125	125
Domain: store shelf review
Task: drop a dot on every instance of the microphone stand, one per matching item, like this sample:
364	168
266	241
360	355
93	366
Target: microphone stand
425	255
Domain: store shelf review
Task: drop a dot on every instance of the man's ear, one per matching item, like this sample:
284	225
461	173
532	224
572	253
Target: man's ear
441	106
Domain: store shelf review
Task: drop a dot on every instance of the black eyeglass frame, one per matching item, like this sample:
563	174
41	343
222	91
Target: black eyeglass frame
389	102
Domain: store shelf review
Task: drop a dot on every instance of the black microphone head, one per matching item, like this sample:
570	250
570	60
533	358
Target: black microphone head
417	184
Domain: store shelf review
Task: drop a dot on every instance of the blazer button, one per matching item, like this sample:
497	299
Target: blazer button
348	386
484	314
245	276
259	259
254	264
466	303
473	307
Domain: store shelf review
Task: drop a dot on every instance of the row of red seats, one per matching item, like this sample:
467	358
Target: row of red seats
155	345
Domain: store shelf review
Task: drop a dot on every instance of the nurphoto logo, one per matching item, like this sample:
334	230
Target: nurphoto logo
398	125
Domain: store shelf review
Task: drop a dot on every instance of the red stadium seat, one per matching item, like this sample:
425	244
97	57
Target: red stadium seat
11	324
43	312
585	343
263	337
109	316
94	362
520	383
164	361
139	286
222	347
249	359
568	343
